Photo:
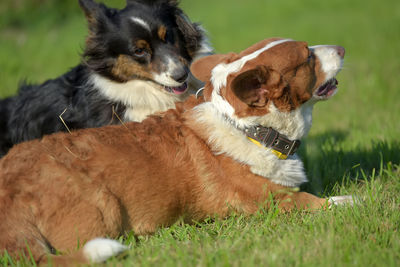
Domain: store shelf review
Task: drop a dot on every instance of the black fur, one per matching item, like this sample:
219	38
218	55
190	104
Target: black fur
35	111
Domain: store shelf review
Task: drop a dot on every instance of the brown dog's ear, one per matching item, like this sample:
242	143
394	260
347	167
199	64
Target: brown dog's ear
254	87
202	67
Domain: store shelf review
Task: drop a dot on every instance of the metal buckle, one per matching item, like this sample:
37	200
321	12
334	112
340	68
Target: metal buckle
294	145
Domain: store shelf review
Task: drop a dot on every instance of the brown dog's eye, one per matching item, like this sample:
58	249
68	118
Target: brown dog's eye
140	52
310	56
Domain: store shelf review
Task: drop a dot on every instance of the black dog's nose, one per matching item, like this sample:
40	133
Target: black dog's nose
180	75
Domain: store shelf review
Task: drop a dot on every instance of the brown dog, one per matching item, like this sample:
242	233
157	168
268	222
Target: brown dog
205	158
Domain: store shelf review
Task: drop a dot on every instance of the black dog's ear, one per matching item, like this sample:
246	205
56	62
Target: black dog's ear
172	2
192	33
92	11
128	2
256	86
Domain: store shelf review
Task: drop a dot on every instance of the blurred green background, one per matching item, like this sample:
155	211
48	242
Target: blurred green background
359	127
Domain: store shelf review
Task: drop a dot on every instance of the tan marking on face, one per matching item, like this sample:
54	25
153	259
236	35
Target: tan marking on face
162	31
143	44
125	69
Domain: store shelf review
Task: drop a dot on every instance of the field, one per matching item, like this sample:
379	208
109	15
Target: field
353	147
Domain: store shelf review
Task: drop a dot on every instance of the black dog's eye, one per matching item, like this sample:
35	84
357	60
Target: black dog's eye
140	52
169	36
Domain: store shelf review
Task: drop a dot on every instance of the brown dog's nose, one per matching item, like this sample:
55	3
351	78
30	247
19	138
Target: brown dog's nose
340	50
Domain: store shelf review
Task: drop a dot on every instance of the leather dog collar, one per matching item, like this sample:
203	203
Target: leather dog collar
267	137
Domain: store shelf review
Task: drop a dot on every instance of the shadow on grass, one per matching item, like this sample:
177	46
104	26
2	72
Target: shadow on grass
327	163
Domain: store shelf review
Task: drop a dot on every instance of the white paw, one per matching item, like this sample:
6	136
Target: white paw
100	249
341	200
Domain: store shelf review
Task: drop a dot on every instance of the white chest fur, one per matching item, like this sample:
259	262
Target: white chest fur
226	138
141	98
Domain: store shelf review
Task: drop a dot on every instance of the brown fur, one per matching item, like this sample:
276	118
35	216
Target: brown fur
106	181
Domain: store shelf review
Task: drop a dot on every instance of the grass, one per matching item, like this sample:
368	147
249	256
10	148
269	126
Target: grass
353	147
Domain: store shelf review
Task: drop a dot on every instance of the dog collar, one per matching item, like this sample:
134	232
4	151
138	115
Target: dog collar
267	137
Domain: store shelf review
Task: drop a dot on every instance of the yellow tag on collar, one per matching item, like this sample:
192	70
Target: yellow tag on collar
277	153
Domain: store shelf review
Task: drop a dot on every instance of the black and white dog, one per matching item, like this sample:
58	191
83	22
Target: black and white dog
136	63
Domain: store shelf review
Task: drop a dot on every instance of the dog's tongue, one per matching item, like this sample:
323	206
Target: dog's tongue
179	90
328	89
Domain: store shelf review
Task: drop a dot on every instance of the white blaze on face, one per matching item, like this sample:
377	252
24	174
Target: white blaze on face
142	23
330	60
